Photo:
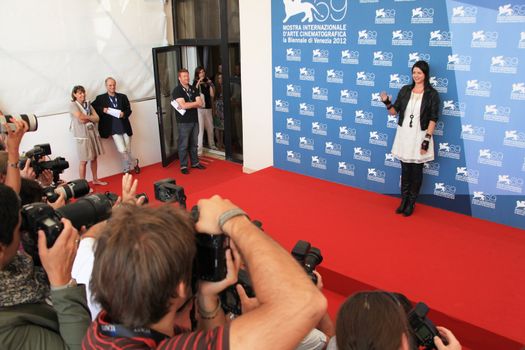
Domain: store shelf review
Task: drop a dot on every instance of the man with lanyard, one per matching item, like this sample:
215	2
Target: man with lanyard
114	110
188	101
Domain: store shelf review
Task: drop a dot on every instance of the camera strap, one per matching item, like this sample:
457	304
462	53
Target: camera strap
119	331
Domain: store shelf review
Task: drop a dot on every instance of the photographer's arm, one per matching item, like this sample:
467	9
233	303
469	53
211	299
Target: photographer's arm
290	304
14	137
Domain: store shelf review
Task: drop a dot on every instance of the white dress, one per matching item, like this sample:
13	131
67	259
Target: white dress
407	142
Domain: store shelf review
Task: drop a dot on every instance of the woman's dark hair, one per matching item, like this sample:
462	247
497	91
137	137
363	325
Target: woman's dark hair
76	89
9	214
197	71
30	191
141	257
218	87
425	68
370	320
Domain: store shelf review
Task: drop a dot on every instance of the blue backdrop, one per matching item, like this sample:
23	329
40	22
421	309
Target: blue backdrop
332	58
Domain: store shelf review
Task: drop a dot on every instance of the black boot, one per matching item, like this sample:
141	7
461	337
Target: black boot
415	186
411	203
405	189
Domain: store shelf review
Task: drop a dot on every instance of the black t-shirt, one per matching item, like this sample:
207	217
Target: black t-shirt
189	95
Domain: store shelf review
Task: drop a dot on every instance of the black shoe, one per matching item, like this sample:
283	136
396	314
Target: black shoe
410	205
402	206
185	171
137	168
199	166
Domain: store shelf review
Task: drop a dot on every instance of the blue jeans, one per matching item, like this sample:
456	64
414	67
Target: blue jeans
188	134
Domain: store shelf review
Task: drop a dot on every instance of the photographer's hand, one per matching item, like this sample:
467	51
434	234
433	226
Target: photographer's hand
209	212
129	190
58	260
453	343
59	203
14	137
27	172
247	304
46	178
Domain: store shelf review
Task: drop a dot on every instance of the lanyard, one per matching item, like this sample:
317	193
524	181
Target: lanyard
113	100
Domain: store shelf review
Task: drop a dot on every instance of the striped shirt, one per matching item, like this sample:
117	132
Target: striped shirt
216	339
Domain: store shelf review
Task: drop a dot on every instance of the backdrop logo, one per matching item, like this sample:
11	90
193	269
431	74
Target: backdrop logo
375	100
383	58
518	91
478	88
454	108
368	1
513	138
458	62
378	139
397	81
443	190
431	168
367	37
497	113
483	199
392	161
282	138
472	133
363	117
334	76
492	158
346	168
440	84
447	150
282	106
422	15
385	16
334	113
347	133
376	175
318	162
511	14
349	57
520	208
319	128
470	176
306	143
391	121
521	43
320	56
505	65
349	96
320	11
293	124
307	74
510	183
440	127
293	90
464	14
402	38
483	39
293	157
319	93
306	109
413	57
365	78
281	72
332	148
440	38
362	154
293	55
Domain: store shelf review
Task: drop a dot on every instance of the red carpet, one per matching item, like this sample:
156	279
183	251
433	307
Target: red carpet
469	271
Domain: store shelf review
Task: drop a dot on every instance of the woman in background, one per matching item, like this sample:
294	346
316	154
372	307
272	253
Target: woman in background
205	87
84	126
218	115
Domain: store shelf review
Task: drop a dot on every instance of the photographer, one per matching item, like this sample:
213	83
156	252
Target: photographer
26	320
142	273
377	320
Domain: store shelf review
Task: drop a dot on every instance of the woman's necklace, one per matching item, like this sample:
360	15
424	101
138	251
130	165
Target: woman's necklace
415	99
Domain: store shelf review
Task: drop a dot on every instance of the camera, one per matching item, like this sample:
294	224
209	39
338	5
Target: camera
57	165
86	211
167	190
30	120
423	329
230	300
72	189
308	257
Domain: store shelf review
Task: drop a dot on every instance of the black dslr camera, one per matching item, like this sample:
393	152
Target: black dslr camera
308	257
72	189
87	211
423	329
57	165
168	191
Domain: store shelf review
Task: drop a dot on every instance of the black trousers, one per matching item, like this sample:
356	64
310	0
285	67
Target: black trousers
411	179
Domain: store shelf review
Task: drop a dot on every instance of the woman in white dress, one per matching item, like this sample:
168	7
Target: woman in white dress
418	107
